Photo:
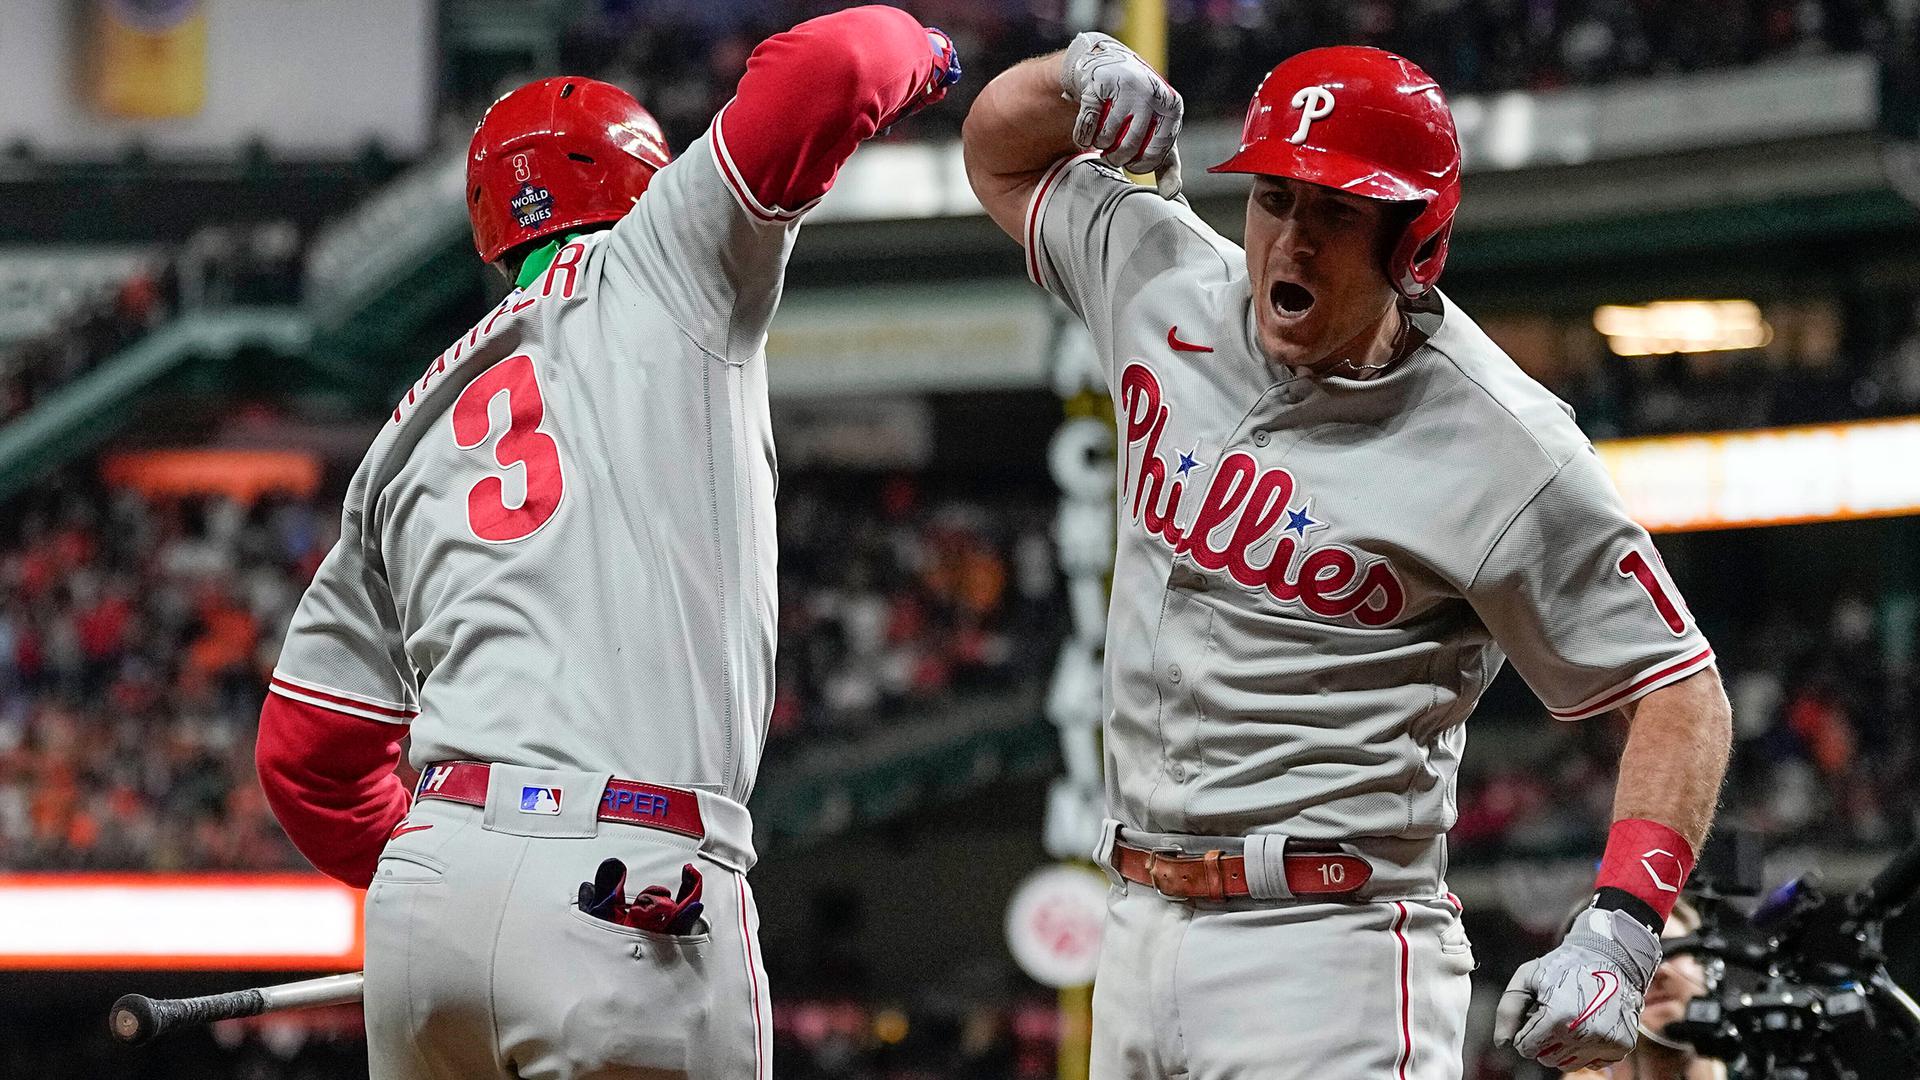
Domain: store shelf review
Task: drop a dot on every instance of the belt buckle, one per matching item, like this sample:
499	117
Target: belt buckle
1153	866
1153	871
1214	877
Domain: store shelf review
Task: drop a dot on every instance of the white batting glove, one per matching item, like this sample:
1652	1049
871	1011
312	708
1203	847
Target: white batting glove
1579	1005
1128	113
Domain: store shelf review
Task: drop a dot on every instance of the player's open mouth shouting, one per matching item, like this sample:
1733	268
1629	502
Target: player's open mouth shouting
1290	298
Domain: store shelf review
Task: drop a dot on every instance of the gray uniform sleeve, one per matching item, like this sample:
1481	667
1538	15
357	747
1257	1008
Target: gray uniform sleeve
1085	221
1575	594
700	243
343	650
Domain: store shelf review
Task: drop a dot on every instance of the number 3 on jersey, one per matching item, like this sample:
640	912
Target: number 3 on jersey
523	444
1634	565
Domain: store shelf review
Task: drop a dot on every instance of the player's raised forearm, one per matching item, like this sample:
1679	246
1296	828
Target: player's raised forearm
1670	775
811	95
1676	756
1670	778
1097	95
1019	125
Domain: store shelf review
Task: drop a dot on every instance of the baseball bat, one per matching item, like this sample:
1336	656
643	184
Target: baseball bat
136	1018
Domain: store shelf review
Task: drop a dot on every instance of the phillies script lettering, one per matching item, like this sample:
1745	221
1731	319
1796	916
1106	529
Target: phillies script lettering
1244	504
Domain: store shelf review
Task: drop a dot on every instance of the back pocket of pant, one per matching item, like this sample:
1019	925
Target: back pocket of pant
1455	947
404	867
664	945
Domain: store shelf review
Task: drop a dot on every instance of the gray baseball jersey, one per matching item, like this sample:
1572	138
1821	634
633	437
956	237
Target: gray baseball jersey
559	552
1315	580
1317	577
559	555
558	558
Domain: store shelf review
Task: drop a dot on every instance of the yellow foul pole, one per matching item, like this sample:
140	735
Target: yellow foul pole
1144	29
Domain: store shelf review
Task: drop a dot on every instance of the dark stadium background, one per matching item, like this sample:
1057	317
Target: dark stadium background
247	293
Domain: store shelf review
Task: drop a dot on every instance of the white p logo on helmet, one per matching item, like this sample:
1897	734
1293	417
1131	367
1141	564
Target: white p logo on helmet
1314	103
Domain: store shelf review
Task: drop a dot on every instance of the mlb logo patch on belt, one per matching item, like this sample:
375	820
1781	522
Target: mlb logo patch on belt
540	800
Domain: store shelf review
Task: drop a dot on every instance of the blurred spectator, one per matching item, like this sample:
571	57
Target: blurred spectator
682	60
140	635
1818	756
892	600
255	263
102	325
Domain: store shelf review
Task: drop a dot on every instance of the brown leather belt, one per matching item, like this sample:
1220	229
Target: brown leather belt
1216	876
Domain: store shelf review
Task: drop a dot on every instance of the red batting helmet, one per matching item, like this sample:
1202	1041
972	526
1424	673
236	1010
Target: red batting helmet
557	154
1367	122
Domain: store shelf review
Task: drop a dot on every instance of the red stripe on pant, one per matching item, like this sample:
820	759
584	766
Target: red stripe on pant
753	978
1406	992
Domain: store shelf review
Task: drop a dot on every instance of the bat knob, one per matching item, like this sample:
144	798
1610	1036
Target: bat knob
131	1019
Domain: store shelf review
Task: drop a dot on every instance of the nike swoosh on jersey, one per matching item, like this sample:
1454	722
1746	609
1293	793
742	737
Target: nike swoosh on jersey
1174	342
403	829
1609	982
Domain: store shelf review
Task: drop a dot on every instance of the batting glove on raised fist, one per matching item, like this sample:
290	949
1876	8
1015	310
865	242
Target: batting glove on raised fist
1579	1005
1128	113
946	65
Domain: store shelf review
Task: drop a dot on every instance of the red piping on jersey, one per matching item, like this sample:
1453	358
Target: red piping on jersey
810	97
731	174
314	696
1406	992
1636	688
1036	210
328	775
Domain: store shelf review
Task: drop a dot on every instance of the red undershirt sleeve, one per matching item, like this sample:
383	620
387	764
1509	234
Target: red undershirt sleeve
812	95
711	237
329	778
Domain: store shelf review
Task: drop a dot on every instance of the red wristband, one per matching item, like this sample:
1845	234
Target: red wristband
1648	860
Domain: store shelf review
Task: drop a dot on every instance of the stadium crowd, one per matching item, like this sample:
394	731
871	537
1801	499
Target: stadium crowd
218	266
894	598
95	329
682	59
1827	749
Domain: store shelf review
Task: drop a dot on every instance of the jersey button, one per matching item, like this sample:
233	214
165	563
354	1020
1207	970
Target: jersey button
1174	770
1261	438
1292	396
1173	673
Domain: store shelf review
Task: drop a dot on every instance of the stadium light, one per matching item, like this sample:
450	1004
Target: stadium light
1682	326
1775	476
